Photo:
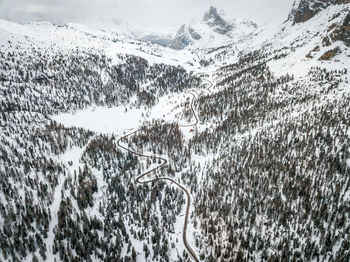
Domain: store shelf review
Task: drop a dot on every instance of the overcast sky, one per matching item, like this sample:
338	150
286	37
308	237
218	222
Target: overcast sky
149	13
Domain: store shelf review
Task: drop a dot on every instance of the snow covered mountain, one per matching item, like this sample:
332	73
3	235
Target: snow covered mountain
300	44
251	123
215	29
72	36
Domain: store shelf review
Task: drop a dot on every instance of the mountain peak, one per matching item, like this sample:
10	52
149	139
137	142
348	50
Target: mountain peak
215	29
213	17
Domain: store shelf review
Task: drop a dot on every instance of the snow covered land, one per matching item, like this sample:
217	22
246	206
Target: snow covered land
222	140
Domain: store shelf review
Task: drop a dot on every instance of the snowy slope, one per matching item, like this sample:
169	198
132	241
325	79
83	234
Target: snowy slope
77	36
300	44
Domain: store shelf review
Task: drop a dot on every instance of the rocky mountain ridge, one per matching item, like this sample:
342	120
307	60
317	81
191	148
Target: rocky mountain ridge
303	10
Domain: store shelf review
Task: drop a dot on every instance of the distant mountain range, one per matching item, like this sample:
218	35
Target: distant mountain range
215	29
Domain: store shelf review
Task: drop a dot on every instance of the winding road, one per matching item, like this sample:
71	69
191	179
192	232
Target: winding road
163	163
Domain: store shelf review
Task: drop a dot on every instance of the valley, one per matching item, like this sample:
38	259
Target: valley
225	141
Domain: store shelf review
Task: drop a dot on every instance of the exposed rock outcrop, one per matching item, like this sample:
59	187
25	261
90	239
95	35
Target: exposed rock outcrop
306	9
213	19
184	37
330	54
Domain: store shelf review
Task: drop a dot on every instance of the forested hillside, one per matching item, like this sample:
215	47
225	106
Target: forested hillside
47	210
115	149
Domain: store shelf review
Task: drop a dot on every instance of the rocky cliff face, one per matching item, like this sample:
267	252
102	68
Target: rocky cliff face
306	9
338	31
184	37
216	21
